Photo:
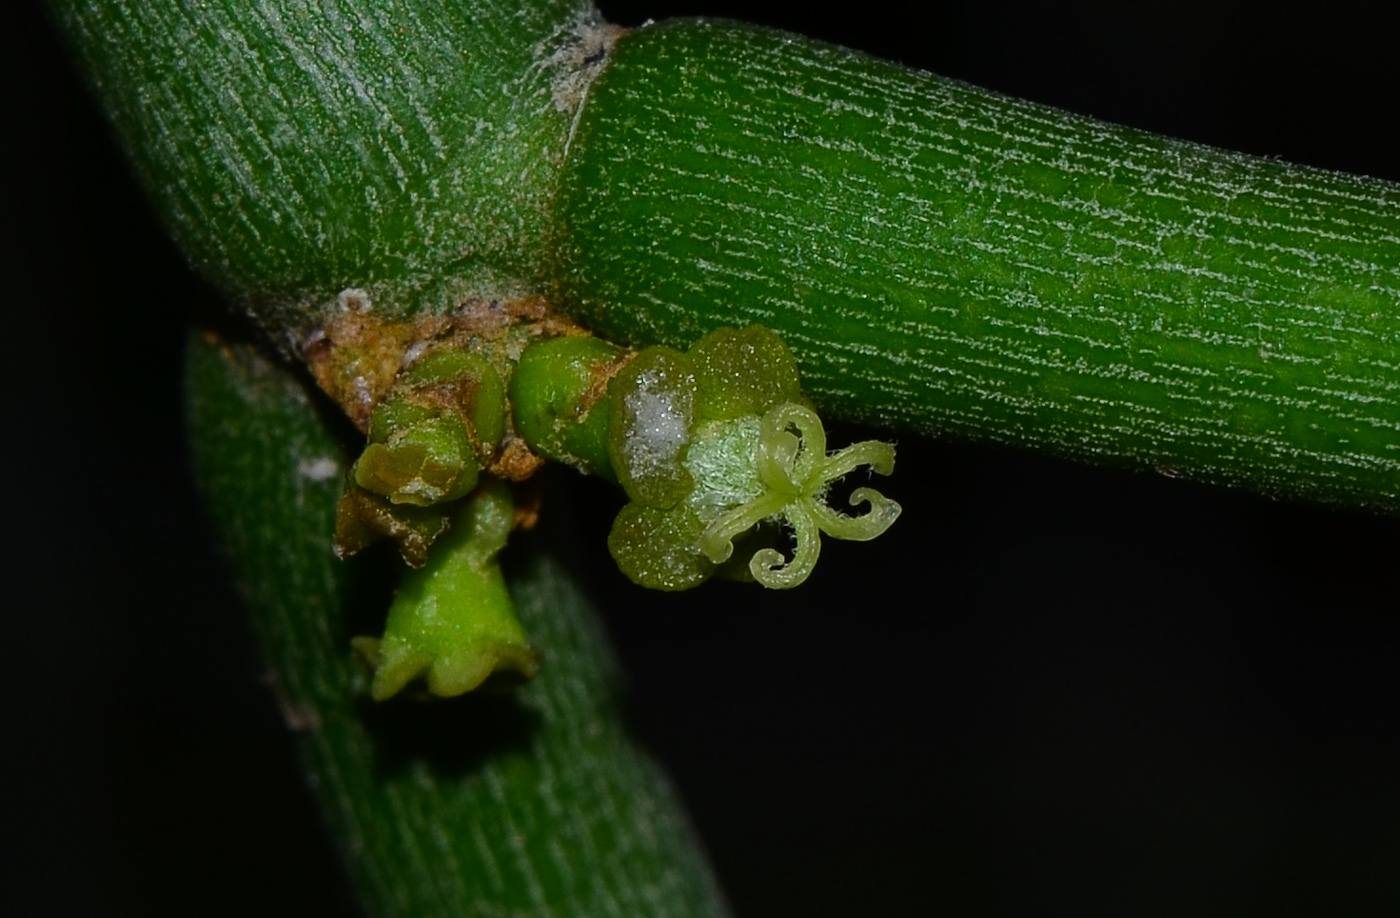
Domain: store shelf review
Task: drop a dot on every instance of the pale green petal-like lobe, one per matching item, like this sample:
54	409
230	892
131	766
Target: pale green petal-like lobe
717	542
772	570
879	456
881	515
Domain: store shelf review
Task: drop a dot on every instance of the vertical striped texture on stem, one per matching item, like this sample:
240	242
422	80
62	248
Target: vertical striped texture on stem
948	260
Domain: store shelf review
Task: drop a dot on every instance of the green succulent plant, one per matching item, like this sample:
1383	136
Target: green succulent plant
621	249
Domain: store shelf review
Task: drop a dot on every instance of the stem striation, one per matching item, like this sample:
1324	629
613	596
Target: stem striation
947	260
409	150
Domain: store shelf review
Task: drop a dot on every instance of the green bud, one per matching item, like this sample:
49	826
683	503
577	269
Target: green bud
488	413
557	395
441	366
395	415
428	463
463	383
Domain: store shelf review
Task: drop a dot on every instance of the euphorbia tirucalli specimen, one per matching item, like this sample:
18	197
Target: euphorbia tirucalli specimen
938	258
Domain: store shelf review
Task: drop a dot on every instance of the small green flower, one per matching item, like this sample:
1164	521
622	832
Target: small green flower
796	473
718	445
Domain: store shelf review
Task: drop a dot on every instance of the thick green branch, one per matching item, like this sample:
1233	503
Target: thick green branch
294	149
945	259
941	258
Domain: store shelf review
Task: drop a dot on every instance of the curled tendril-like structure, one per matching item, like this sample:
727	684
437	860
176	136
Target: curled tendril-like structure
795	473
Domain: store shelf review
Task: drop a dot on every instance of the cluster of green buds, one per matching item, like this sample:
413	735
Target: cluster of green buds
721	456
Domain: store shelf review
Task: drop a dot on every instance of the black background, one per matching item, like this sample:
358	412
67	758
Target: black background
1050	687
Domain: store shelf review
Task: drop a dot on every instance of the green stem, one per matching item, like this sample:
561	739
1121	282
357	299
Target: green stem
948	260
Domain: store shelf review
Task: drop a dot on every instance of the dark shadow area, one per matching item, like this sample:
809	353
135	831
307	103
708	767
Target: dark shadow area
455	735
1110	692
148	770
374	574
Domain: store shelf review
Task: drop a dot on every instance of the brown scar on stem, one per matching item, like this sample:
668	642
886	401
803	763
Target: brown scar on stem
529	497
602	376
581	61
356	356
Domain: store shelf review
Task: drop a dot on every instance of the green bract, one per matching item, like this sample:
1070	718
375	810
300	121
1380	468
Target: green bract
452	622
744	372
717	443
653	415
